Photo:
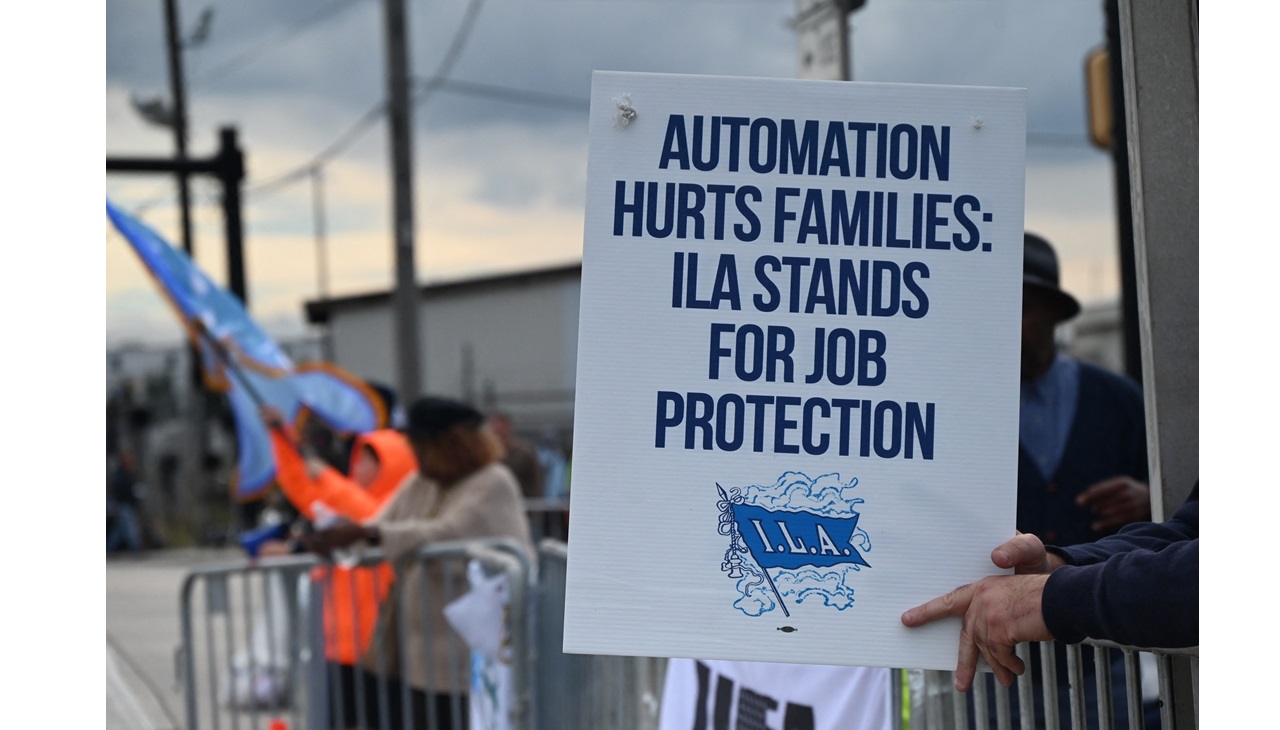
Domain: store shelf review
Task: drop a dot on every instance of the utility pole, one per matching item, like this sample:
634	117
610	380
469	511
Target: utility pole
228	167
322	256
178	92
822	35
400	128
197	435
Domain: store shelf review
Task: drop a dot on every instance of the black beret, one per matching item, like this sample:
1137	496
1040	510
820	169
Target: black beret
430	416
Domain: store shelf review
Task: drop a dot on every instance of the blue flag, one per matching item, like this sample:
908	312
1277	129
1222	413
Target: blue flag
206	310
778	539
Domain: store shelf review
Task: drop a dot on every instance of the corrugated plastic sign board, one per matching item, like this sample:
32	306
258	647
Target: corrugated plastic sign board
796	410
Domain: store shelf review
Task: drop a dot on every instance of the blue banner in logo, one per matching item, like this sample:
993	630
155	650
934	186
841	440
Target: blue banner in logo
794	539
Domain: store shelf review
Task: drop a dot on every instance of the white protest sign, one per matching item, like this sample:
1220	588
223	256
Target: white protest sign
797	398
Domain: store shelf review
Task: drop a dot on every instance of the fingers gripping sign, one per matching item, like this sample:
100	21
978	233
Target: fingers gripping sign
1026	555
997	612
955	603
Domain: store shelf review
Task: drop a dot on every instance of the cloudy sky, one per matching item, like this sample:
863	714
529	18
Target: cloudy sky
500	150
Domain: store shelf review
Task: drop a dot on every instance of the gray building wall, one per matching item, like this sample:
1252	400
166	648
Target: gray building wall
507	343
510	342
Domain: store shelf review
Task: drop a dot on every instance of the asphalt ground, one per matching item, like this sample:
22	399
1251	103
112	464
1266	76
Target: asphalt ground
143	635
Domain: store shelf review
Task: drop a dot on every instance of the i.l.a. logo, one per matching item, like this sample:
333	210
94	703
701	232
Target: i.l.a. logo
804	530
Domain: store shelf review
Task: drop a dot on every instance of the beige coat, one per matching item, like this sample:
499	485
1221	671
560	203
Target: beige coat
485	504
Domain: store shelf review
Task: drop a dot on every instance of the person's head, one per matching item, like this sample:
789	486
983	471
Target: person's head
364	468
450	439
1044	305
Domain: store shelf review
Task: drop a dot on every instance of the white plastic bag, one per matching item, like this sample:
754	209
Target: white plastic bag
478	615
259	675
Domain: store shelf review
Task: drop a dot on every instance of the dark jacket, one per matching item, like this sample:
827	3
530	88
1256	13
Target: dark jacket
1139	587
1108	438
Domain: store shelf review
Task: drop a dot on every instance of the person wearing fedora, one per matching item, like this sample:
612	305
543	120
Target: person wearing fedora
1082	445
1082	451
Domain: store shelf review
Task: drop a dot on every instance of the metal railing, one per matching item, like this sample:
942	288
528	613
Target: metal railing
548	519
1102	688
578	691
253	651
253	643
240	630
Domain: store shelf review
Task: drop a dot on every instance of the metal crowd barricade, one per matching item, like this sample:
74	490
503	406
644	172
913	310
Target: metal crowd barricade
548	519
253	641
245	643
253	653
586	692
935	703
577	691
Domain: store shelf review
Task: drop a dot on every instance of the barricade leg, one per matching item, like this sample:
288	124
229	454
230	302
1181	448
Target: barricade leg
319	689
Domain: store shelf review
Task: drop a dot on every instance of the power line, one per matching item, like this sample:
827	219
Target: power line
503	93
335	148
424	88
451	56
497	93
448	86
460	38
243	58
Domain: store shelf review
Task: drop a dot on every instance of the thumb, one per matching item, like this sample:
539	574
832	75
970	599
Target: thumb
1025	553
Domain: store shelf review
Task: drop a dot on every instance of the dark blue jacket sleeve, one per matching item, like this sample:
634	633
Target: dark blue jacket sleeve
1139	587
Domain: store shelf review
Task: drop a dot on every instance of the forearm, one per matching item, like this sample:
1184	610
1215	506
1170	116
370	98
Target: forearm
1141	598
400	537
481	510
291	474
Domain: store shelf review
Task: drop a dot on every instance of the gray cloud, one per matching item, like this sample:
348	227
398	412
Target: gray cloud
298	90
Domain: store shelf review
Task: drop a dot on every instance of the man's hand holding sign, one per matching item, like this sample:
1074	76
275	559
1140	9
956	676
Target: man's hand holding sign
998	611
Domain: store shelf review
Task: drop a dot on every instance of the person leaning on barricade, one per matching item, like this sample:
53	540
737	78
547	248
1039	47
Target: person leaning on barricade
1139	587
461	491
380	461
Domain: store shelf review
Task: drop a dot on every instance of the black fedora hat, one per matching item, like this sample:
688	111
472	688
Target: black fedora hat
1040	269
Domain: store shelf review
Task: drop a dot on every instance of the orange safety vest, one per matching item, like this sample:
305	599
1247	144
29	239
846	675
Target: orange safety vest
352	595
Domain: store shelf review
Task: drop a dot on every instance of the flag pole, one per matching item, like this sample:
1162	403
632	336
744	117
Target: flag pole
785	612
728	505
225	357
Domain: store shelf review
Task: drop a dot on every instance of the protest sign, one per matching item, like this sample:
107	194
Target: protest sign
797	386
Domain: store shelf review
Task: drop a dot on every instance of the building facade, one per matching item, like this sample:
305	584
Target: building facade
509	342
